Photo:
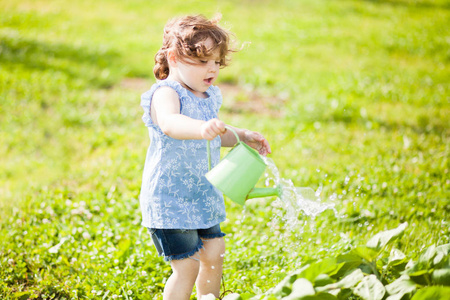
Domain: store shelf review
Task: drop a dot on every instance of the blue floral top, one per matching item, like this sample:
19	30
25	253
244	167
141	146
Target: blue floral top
175	193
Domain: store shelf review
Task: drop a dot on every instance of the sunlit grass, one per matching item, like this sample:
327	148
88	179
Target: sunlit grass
361	105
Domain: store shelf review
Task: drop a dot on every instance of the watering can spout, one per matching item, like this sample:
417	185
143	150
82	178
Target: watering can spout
264	192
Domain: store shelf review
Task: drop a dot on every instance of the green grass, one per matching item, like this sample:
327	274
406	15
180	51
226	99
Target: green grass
356	97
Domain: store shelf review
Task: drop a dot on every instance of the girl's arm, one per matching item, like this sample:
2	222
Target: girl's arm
251	138
165	112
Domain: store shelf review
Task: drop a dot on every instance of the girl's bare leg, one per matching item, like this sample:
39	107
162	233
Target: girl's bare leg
180	284
211	262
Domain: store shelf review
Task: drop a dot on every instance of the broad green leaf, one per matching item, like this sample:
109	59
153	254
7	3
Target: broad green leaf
441	277
424	262
401	286
266	297
422	277
432	293
442	254
323	296
233	296
428	256
395	297
345	294
263	297
347	262
365	253
284	287
382	239
301	288
349	258
323	279
347	282
335	292
419	268
337	270
212	297
422	271
370	288
396	257
248	295
367	269
351	279
323	266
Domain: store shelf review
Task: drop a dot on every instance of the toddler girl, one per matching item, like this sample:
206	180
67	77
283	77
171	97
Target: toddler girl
181	209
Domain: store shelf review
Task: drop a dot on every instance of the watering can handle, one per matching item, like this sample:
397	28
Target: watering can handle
208	147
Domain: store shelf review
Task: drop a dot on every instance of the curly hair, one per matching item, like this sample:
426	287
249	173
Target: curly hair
187	36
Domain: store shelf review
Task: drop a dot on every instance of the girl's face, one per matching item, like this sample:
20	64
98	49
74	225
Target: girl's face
198	74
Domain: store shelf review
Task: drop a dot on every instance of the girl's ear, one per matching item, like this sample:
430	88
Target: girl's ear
171	58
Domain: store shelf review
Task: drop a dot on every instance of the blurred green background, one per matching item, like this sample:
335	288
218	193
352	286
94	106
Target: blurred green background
352	95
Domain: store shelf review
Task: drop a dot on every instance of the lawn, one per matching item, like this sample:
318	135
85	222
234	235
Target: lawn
353	97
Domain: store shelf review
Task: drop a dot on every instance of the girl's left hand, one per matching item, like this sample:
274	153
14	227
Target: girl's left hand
257	142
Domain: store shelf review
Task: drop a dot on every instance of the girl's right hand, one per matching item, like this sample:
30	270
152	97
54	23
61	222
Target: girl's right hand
212	128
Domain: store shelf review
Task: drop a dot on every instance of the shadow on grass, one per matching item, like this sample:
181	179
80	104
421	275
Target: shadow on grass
76	62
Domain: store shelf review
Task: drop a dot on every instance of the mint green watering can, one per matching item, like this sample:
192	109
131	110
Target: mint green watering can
238	172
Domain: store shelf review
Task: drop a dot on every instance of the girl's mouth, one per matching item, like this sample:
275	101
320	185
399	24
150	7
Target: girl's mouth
208	80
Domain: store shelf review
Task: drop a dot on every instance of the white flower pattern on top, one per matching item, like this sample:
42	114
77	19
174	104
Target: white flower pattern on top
175	193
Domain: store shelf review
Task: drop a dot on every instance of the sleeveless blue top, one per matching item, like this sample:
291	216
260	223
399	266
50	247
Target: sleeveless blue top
175	193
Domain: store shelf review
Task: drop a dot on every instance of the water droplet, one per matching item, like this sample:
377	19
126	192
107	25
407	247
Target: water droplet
347	179
295	200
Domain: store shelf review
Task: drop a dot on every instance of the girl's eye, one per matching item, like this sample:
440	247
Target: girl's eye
204	62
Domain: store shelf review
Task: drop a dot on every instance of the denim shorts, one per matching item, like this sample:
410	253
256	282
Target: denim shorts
182	243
